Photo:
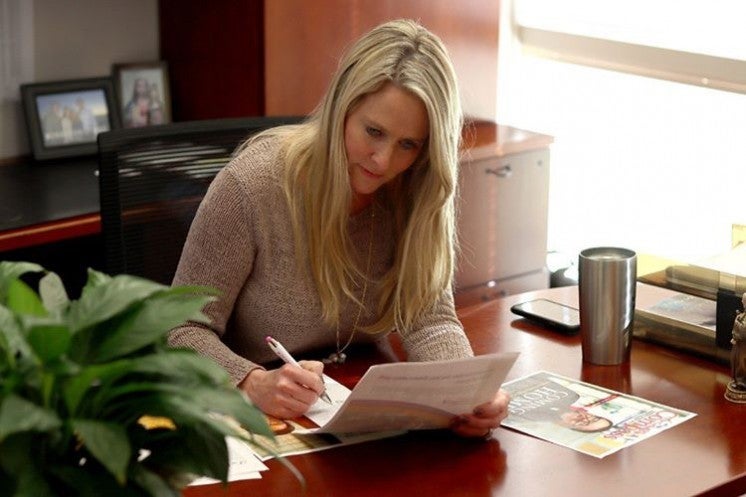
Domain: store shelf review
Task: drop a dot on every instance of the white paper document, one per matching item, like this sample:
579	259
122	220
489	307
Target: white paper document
417	395
321	412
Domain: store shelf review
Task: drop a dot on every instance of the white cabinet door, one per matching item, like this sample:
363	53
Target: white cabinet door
502	217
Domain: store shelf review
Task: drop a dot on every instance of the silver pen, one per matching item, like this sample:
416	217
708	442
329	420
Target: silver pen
283	354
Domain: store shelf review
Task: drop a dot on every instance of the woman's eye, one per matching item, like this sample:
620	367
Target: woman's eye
373	131
408	145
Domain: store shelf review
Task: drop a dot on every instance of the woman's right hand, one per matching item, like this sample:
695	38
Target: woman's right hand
287	392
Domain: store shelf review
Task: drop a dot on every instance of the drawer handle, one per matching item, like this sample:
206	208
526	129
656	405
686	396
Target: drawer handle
502	172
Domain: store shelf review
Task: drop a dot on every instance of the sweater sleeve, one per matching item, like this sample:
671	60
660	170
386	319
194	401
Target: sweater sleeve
218	253
438	334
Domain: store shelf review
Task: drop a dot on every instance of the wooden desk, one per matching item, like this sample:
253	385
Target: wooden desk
704	456
43	203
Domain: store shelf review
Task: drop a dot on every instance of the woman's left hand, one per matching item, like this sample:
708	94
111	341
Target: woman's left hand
485	417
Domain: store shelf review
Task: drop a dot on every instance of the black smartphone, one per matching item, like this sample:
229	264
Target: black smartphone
560	317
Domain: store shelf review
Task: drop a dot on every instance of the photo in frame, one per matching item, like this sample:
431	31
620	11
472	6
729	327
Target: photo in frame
143	93
65	117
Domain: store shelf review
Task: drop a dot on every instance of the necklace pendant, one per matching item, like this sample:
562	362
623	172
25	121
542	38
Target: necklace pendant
335	358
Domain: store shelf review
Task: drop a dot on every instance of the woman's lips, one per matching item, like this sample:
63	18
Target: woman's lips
370	173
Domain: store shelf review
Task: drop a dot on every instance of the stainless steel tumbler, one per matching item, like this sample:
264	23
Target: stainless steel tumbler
607	277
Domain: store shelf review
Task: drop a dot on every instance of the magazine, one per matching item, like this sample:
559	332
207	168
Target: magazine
584	417
678	310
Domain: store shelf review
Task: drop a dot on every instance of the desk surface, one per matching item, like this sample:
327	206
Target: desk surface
705	455
37	193
40	203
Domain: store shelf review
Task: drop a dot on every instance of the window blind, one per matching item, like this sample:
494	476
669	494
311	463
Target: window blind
689	41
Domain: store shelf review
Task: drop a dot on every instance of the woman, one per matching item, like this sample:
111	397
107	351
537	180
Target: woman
340	229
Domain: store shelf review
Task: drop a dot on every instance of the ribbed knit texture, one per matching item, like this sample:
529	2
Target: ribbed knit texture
242	243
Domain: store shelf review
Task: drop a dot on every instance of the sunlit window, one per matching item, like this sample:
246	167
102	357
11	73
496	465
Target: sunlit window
710	27
644	162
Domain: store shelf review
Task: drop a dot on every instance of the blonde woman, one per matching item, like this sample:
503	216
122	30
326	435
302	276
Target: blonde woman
339	230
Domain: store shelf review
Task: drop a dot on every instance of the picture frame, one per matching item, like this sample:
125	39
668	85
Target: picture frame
64	118
143	93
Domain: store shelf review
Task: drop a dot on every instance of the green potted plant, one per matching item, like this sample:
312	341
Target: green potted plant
81	382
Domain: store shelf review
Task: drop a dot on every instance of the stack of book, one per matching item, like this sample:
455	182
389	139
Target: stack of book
678	320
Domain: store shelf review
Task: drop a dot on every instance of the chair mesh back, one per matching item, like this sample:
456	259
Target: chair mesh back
151	181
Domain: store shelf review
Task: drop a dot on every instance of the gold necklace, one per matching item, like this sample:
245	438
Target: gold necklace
339	356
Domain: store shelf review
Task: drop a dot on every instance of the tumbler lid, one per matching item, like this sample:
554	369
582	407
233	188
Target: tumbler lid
607	253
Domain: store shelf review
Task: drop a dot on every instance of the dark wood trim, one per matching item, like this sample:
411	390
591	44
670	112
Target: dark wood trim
52	231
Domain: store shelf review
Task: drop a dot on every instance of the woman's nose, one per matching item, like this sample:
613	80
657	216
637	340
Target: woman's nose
382	158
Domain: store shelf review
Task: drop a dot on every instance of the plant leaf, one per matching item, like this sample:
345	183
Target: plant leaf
150	322
103	363
11	338
107	299
19	415
114	402
88	481
49	340
191	405
23	300
31	483
231	402
75	388
108	443
95	278
10	271
198	450
188	373
15	452
184	365
153	483
214	449
53	293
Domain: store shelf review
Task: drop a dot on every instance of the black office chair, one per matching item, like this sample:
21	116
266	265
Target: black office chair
151	181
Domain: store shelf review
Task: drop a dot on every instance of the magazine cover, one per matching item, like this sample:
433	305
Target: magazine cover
584	417
679	310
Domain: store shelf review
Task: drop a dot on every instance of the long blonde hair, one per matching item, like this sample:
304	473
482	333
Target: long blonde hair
318	189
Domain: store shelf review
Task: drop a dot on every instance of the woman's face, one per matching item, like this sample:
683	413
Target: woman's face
581	420
383	135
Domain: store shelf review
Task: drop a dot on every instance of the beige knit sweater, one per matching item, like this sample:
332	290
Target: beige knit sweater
242	243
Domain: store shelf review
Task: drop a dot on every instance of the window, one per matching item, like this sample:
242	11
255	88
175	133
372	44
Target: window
691	41
649	150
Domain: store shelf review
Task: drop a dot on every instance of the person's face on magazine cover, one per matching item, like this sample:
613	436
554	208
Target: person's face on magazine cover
582	420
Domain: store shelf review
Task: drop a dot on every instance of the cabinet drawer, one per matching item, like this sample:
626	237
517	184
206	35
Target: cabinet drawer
502	217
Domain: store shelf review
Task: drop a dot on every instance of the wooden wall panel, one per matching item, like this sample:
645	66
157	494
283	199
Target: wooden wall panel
215	53
304	40
302	43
